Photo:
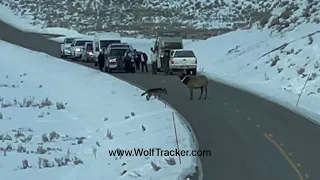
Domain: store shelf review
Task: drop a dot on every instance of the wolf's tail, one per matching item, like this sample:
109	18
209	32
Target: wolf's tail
143	93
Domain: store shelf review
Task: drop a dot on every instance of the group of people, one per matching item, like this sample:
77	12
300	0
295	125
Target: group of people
140	60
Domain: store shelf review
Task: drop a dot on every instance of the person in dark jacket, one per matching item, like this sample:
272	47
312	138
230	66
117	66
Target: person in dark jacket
127	60
101	60
166	58
144	60
137	59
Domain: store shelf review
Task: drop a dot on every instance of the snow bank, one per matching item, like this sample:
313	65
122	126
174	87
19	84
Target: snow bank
59	31
54	112
250	59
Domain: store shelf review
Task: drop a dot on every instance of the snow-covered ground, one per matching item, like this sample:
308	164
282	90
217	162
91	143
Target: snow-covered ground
250	59
55	112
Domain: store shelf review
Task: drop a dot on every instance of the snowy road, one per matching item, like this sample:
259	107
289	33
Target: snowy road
250	138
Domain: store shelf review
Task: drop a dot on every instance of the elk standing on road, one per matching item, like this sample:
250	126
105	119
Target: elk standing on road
194	82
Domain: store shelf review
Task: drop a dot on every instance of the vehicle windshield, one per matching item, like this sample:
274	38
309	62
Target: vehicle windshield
117	52
184	54
89	47
172	45
105	43
69	40
81	43
120	45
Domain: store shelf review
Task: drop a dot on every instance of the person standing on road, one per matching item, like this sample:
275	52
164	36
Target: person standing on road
153	61
101	60
137	59
144	59
166	59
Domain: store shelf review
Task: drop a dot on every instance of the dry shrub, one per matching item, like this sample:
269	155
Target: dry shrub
155	167
171	161
300	71
316	20
109	135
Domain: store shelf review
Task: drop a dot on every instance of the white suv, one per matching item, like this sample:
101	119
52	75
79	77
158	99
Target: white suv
66	47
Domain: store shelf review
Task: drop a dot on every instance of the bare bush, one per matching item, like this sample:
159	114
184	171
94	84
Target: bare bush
143	128
123	172
41	150
60	105
25	164
316	20
54	135
316	65
310	40
21	149
77	161
155	167
1	116
109	135
45	103
274	60
300	71
171	161
45	138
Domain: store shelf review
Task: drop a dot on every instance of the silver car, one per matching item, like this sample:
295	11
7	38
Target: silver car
77	48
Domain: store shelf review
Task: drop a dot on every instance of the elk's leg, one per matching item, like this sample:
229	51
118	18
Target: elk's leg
191	93
205	91
201	92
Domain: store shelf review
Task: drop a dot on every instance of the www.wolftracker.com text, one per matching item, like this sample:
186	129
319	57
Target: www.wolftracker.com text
158	152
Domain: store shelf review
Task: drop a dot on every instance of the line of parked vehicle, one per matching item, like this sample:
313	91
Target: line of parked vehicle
88	47
169	50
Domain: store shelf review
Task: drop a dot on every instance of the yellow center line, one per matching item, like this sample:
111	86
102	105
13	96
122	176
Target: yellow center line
290	161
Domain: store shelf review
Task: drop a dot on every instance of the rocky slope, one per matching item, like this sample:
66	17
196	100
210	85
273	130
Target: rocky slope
195	18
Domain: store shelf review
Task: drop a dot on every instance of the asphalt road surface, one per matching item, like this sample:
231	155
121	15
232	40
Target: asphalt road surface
249	138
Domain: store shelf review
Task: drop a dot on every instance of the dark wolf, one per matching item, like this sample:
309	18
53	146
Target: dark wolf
156	92
195	82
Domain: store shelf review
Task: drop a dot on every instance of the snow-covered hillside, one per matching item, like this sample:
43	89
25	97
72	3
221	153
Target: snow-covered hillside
146	16
274	58
59	120
275	66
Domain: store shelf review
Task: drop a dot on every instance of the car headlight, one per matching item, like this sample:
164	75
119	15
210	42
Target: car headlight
90	53
77	49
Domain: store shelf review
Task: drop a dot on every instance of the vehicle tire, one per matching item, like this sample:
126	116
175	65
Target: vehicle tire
188	71
194	71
